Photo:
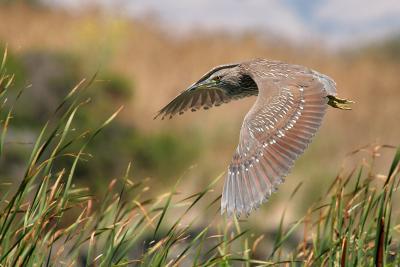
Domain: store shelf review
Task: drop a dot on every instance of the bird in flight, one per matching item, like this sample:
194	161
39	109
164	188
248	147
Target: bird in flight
291	102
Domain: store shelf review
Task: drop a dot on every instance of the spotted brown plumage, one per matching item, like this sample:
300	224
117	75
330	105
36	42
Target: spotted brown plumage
291	103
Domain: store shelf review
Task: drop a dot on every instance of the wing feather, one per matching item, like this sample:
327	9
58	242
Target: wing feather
275	132
194	100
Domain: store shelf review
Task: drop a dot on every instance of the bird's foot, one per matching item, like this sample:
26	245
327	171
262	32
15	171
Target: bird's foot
339	103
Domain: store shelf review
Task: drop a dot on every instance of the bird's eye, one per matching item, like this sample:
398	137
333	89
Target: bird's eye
216	78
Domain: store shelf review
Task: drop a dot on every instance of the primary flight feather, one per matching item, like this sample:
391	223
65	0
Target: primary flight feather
291	103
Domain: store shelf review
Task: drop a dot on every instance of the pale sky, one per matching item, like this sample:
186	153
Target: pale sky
335	22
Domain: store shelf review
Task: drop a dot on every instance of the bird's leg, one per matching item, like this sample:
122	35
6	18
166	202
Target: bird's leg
339	103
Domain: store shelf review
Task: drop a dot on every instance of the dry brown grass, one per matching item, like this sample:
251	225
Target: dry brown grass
162	65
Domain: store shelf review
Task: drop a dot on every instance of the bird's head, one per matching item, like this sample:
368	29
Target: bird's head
226	77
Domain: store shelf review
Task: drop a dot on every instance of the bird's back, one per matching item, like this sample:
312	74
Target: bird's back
282	73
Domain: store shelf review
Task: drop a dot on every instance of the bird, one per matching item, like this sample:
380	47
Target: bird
291	103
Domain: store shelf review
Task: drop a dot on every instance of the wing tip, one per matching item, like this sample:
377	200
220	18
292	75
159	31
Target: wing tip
157	115
161	115
230	207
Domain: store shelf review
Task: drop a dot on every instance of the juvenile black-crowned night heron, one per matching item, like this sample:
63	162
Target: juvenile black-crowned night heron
291	103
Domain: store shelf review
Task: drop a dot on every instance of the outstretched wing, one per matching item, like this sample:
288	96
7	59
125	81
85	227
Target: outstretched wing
277	129
197	99
194	100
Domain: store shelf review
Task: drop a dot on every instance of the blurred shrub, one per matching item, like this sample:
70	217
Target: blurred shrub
51	75
387	50
117	87
165	152
391	48
29	2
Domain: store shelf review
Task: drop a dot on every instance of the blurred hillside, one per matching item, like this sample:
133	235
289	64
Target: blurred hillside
142	67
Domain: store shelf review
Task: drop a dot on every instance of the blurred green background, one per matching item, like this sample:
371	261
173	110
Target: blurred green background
143	59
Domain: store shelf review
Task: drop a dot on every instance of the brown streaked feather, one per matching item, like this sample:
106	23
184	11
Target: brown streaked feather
275	132
205	98
194	100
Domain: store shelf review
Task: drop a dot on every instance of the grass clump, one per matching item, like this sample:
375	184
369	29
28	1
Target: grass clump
46	220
